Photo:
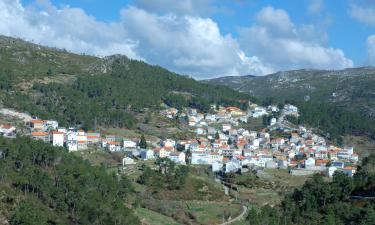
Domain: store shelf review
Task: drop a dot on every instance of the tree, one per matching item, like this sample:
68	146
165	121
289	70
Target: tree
217	136
143	142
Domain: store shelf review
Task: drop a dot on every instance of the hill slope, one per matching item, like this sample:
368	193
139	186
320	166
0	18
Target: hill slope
41	184
341	101
52	83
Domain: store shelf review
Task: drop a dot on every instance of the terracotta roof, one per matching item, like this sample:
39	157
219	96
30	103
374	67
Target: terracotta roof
6	126
39	134
93	137
168	148
57	132
37	121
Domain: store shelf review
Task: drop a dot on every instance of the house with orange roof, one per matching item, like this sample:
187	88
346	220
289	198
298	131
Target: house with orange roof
93	138
37	124
7	130
163	152
40	135
113	146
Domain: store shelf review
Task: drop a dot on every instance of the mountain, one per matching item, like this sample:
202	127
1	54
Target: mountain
340	101
80	89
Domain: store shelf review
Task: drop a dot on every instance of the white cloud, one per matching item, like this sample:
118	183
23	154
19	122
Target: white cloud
190	7
189	44
364	13
274	39
69	28
315	6
370	43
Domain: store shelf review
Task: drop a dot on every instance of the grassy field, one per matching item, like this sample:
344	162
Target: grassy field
270	187
213	212
154	218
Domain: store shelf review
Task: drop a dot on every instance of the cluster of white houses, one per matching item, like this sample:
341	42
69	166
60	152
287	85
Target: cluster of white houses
76	139
220	142
223	144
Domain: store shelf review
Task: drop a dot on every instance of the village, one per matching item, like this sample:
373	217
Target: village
220	142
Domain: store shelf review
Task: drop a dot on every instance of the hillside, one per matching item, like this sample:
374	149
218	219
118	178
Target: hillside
53	83
340	102
41	184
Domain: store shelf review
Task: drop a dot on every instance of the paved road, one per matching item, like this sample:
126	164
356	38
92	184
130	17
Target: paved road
239	217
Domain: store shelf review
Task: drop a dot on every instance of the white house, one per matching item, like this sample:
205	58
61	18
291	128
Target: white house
226	127
309	163
113	146
58	138
71	140
200	131
127	161
169	143
163	151
200	158
259	111
232	166
127	143
177	157
147	154
50	125
81	140
7	130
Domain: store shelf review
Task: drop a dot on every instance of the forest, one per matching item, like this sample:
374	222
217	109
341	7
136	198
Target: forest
41	184
344	200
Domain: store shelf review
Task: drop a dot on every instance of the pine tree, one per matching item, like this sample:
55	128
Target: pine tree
143	142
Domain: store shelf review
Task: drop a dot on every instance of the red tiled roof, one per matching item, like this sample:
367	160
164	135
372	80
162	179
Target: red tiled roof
39	134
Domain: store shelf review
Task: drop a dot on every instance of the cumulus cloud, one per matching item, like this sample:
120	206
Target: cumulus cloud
276	40
190	44
364	13
69	28
190	7
315	6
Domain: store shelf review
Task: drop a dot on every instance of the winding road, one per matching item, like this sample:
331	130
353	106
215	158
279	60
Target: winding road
237	218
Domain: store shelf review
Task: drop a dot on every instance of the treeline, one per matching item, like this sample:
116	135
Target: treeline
41	184
168	175
112	99
334	120
324	202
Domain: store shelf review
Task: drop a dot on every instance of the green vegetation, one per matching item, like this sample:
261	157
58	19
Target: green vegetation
326	202
42	184
77	89
168	175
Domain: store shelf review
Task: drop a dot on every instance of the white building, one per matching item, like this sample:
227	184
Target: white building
127	161
177	157
129	143
71	140
58	138
203	158
147	154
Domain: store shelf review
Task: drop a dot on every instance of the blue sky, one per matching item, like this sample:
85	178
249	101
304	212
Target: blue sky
204	38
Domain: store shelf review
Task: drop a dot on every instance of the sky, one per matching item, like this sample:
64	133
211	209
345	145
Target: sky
204	38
